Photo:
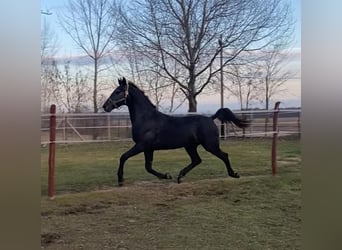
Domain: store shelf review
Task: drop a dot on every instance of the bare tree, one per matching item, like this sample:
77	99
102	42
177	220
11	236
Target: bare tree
273	72
176	99
70	88
148	77
48	50
187	31
91	25
261	78
48	42
242	82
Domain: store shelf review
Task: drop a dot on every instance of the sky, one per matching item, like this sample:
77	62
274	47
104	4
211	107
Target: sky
206	103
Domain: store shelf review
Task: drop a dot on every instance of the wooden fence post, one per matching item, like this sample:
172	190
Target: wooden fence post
52	149
275	137
299	128
108	126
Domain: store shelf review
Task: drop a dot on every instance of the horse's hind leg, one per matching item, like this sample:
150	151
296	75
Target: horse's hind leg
215	150
148	166
195	160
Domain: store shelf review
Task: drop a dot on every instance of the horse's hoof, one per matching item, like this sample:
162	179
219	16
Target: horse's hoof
179	179
234	175
168	176
120	184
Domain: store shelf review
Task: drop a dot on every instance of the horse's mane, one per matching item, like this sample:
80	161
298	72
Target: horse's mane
132	85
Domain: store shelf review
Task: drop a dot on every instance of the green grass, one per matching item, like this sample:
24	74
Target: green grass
85	167
207	211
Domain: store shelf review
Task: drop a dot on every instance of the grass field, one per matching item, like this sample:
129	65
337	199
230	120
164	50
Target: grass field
207	211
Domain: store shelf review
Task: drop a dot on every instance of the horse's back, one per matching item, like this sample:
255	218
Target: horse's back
190	123
186	131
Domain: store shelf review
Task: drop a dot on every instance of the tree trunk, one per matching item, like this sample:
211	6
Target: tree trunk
192	90
95	131
192	103
192	94
95	85
266	104
267	92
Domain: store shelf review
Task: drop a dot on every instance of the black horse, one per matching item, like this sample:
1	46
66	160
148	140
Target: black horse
153	130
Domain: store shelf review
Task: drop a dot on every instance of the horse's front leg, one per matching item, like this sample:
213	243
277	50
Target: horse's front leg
148	166
136	149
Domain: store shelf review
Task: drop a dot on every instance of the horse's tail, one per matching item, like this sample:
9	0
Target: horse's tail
226	115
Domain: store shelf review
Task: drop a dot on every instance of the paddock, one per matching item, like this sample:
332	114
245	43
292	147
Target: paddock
207	211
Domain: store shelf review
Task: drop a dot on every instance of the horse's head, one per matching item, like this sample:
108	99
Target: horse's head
118	97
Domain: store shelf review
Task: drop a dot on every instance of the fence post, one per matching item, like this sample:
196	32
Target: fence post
275	137
223	131
299	128
52	149
65	128
108	125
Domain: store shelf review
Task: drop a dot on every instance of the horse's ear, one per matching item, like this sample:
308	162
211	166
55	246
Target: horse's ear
126	86
122	81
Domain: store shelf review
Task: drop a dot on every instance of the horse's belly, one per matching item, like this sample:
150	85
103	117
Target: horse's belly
175	139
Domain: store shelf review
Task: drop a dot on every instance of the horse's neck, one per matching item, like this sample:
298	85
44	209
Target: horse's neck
140	109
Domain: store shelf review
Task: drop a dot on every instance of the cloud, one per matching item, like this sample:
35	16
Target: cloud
114	57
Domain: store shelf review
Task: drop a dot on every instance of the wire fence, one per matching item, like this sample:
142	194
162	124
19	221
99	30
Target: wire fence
106	127
116	126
